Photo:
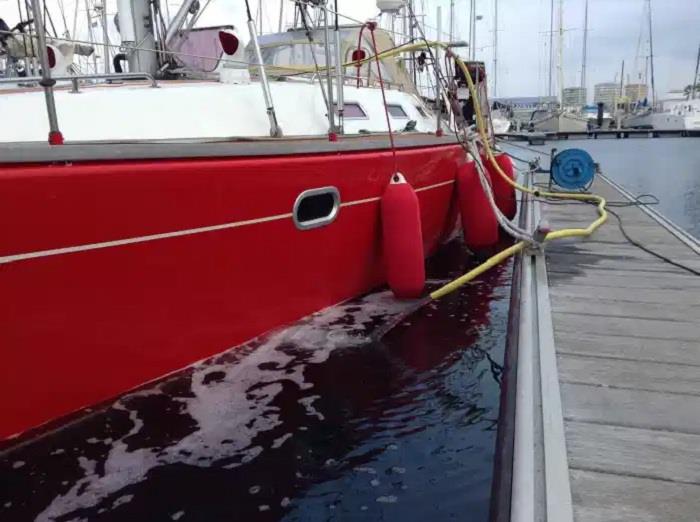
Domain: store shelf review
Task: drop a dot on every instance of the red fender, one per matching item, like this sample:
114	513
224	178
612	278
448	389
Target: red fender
404	258
478	218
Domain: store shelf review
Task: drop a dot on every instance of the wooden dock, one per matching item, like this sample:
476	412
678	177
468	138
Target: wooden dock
612	371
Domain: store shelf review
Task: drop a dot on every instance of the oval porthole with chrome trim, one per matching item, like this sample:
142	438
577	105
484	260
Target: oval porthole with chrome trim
316	208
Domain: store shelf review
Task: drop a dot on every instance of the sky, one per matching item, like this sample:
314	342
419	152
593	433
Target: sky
615	27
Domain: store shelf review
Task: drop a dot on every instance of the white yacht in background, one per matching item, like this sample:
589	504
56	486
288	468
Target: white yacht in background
673	115
557	121
689	111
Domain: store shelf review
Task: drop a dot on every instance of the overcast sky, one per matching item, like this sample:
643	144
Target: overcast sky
614	34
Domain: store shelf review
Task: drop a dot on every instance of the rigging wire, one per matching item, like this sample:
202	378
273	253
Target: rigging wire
303	13
372	26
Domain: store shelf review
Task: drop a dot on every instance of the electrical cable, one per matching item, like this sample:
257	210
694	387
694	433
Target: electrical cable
636	202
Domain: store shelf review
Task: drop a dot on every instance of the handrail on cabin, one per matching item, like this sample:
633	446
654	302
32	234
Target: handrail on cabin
98	76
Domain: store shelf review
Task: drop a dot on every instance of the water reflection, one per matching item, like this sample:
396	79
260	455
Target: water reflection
375	409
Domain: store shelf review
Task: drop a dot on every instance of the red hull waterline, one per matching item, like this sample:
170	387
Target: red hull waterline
115	273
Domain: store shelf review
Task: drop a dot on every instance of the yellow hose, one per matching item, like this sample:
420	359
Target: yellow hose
473	274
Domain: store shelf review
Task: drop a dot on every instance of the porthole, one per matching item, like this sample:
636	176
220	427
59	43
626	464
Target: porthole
316	208
352	111
397	111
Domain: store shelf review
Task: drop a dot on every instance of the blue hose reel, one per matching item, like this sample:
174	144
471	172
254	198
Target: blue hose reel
572	169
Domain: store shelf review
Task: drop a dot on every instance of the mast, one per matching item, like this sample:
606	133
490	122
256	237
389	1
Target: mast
279	30
473	30
651	57
695	78
136	29
585	49
452	20
105	35
550	92
90	33
495	48
560	51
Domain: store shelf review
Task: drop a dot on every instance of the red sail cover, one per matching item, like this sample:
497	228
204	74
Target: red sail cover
478	218
403	239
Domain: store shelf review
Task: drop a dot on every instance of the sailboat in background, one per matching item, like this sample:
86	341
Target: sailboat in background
558	118
500	116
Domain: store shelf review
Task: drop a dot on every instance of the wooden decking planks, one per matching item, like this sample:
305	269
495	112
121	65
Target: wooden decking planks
627	336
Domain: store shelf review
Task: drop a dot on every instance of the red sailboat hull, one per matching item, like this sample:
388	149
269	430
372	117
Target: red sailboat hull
116	273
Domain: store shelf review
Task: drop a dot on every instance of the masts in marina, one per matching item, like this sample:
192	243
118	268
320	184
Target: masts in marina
694	85
560	54
585	48
495	48
651	55
550	90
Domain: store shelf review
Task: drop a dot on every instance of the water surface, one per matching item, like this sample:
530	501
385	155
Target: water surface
372	410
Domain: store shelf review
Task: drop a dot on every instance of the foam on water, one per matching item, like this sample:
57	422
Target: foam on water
231	402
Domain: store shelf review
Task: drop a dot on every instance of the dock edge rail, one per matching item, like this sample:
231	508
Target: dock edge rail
541	489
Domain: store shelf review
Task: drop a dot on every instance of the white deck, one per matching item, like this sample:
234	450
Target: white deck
190	110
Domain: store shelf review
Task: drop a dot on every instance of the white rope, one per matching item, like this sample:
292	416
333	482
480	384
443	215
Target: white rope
510	228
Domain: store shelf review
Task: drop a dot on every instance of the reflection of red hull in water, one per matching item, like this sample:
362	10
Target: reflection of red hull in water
211	257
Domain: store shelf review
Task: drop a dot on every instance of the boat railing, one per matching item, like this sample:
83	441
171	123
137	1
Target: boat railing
75	78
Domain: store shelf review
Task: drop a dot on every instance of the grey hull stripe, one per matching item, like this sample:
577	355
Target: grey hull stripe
190	148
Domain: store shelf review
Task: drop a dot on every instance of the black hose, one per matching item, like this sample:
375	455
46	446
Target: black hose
636	202
117	62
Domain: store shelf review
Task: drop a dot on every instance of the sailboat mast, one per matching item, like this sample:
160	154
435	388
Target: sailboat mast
550	90
651	57
694	85
495	48
452	21
560	51
585	48
105	36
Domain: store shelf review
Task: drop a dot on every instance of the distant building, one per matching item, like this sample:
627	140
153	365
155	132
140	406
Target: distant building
574	97
606	93
636	92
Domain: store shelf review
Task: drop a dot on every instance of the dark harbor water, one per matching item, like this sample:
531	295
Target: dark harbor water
668	168
371	410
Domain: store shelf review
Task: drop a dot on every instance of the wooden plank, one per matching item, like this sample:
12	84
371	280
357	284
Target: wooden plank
632	295
633	451
614	308
600	259
625	326
651	376
631	408
631	348
601	497
631	280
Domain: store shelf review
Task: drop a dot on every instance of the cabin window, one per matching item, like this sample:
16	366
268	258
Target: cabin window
421	111
316	208
397	111
352	110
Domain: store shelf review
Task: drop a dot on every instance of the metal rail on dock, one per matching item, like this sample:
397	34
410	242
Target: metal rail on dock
541	490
